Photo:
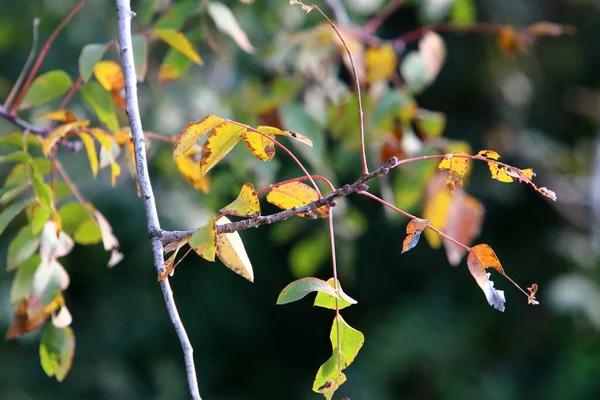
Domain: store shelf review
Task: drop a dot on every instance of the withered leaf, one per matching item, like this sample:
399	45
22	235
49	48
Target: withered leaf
413	233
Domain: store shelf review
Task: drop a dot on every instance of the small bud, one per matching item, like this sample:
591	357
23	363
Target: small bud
347	189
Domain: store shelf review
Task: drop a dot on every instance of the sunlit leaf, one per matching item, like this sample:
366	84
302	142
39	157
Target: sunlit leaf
22	247
231	252
88	143
261	145
481	257
10	212
327	300
219	143
296	194
60	132
463	224
413	232
88	232
59	115
433	51
179	42
245	205
110	75
499	173
491	154
89	57
457	168
226	23
46	87
57	348
381	63
102	103
188	166
173	66
204	240
193	132
302	287
270	130
436	209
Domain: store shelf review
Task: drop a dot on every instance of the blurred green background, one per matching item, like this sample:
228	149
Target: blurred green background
429	332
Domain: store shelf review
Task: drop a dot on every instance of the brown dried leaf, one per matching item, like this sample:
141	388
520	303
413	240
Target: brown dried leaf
413	233
465	218
481	257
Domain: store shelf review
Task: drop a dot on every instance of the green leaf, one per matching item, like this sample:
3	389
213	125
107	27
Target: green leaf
17	156
410	180
176	15
102	103
9	192
463	12
22	247
10	212
20	140
300	288
140	56
46	87
23	280
204	240
326	300
430	123
90	55
72	215
414	71
43	192
309	253
179	42
57	348
227	23
88	233
39	217
173	66
38	165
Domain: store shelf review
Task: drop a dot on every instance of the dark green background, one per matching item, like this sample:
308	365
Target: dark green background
429	332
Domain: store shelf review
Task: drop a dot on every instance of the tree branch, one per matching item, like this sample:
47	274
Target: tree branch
26	126
124	19
359	185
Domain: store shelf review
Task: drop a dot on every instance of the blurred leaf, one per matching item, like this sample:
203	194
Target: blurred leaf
188	166
414	71
512	42
109	240
219	143
110	75
88	232
23	280
463	13
39	217
481	257
57	348
60	132
296	194
179	42
463	224
22	323
176	14
108	152
54	243
433	51
10	212
436	209
9	192
204	240
327	300
72	215
550	29
226	23
430	123
90	55
173	66
17	156
245	205
59	115
46	87
102	103
231	252
22	247
413	232
302	287
193	132
140	56
308	253
261	145
381	63
88	143
269	130
457	168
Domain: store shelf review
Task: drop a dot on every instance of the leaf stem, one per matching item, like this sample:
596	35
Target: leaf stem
337	289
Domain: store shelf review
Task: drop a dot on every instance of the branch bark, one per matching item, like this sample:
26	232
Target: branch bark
126	49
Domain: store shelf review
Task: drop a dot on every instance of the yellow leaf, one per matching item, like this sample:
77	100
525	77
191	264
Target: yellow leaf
261	146
528	173
381	63
296	194
245	205
179	42
491	154
59	115
499	173
106	142
189	167
231	252
218	144
270	130
436	209
192	132
59	133
204	240
88	143
110	75
456	165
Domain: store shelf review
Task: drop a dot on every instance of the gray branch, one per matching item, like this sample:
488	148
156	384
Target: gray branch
125	15
26	126
359	185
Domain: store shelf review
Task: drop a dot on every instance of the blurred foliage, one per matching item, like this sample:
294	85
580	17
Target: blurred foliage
428	334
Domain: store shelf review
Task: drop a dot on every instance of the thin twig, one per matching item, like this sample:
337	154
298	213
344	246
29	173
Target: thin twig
341	15
374	23
63	173
125	15
17	85
337	290
26	126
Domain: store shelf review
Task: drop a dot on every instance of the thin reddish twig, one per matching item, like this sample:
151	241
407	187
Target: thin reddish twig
416	34
17	85
374	23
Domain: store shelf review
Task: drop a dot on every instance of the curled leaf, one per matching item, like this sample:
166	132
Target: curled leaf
413	233
227	23
60	132
327	300
245	205
532	291
110	75
169	266
481	257
262	146
59	115
188	166
270	130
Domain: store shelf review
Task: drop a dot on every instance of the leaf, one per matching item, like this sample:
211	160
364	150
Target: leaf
49	280
433	51
72	215
226	23
481	257
491	154
413	233
110	75
381	63
173	66
270	130
176	14
302	287
193	132
22	247
88	232
39	217
23	281
10	212
46	87
140	56
262	146
414	71
437	205
430	123
188	166
499	173
511	42
326	300
531	298
22	323
296	194
102	103
108	153
59	115
545	28
60	132
179	42
548	193
88	143
245	205
17	156
63	318
109	240
169	266
54	244
9	192
457	168
204	240
42	192
218	144
89	57
350	341
463	13
231	252
465	218
57	348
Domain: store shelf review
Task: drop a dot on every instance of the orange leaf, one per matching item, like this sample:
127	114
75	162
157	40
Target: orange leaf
465	217
532	291
296	194
219	143
110	75
23	322
491	154
231	252
245	205
511	42
261	146
189	167
193	132
169	266
413	230
204	240
59	115
481	257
